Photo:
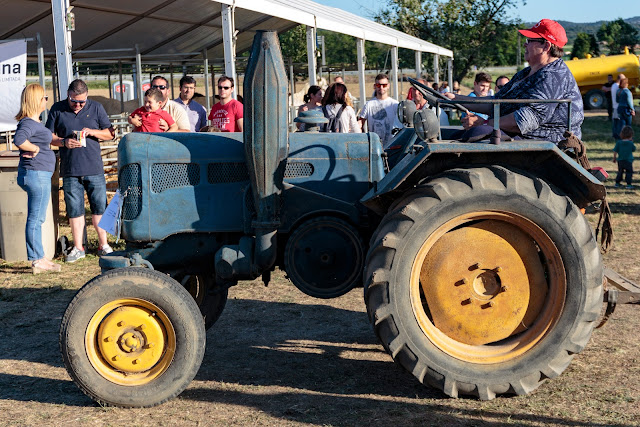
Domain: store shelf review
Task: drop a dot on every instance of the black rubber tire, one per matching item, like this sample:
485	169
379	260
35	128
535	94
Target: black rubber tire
213	300
412	219
595	100
164	293
321	268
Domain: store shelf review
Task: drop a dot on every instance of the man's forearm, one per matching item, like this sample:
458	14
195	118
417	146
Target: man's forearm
104	134
507	123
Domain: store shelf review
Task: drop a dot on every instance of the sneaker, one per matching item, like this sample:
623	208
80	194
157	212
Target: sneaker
74	255
617	185
629	187
104	250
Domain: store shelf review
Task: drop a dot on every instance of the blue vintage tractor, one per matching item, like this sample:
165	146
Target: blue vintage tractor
481	275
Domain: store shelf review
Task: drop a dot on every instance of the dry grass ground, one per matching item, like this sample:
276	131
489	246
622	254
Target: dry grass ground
278	357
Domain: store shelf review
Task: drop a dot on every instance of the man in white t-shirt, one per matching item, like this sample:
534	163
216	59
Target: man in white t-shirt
380	113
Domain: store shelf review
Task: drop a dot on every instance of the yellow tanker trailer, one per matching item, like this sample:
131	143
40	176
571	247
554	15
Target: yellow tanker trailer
591	74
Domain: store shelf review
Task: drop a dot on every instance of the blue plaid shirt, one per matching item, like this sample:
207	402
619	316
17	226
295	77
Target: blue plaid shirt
544	121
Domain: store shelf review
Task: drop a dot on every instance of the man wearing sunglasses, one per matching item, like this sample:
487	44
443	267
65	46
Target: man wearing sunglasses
546	77
227	115
501	82
380	113
81	166
177	113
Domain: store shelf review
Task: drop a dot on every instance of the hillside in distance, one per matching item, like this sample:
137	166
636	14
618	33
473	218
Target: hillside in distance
573	28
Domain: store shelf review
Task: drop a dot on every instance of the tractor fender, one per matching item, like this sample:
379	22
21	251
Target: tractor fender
539	158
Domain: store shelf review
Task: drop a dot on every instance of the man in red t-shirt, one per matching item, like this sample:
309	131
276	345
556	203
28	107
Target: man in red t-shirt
227	115
151	113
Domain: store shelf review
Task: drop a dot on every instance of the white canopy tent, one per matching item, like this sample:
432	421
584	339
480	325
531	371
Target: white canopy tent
189	29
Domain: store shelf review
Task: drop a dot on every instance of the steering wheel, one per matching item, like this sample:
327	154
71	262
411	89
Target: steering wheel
433	96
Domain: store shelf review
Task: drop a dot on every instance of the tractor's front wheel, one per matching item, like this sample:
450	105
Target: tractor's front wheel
484	281
132	338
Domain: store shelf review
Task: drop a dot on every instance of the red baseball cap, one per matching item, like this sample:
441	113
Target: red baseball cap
549	30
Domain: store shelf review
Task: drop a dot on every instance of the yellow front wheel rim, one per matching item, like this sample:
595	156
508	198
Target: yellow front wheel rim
487	286
130	341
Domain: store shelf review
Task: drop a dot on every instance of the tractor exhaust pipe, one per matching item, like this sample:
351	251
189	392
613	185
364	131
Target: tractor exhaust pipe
266	140
266	143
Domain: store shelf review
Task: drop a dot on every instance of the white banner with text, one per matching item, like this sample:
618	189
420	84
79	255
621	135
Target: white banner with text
13	77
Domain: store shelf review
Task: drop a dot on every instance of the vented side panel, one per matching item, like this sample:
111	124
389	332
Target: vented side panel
174	175
130	185
298	170
219	173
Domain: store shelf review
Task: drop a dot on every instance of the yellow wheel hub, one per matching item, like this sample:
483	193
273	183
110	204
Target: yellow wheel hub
487	286
130	341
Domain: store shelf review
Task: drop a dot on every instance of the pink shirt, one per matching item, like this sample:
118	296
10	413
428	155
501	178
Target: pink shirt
224	116
151	119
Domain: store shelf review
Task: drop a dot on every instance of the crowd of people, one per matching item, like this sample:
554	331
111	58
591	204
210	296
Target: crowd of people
76	124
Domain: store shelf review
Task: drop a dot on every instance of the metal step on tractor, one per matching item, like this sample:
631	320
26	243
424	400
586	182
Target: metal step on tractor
481	275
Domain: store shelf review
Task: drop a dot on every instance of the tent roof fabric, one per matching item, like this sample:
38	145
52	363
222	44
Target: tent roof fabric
186	27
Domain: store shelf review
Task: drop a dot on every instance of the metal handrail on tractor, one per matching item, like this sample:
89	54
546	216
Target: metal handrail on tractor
496	106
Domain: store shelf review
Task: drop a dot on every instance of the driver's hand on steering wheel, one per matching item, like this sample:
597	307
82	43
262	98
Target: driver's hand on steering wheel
471	120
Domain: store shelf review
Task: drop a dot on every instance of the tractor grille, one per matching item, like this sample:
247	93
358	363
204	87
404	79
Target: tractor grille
220	173
130	185
174	175
298	170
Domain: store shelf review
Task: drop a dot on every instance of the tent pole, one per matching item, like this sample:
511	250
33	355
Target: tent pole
361	63
140	93
311	55
394	72
45	113
228	29
207	90
62	38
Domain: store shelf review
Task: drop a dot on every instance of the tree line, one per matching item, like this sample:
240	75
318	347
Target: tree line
614	35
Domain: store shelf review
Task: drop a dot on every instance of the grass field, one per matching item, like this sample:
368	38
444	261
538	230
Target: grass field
278	357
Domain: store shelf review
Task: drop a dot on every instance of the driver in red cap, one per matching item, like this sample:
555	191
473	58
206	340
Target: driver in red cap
546	77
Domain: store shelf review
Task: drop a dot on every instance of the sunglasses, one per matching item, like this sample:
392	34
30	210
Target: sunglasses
382	84
224	87
499	86
75	101
528	40
161	87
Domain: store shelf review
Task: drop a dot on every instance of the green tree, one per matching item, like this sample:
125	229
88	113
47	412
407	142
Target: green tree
294	44
475	30
618	34
583	45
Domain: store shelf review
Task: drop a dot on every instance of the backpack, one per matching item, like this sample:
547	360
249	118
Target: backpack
334	122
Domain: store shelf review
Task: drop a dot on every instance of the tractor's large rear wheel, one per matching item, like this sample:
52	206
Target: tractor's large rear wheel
132	338
484	281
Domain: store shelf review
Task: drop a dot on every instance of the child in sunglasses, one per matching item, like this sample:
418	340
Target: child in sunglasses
151	113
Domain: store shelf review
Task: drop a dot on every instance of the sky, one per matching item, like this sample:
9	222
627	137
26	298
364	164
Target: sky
535	10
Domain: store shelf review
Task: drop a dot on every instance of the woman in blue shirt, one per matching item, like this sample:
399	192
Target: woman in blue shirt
625	103
37	163
546	77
